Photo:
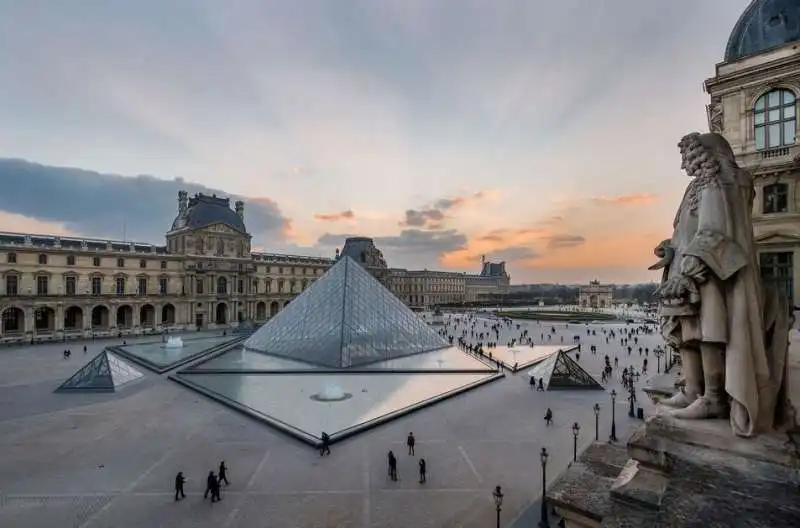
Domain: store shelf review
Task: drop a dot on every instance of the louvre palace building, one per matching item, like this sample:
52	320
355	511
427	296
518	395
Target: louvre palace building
206	276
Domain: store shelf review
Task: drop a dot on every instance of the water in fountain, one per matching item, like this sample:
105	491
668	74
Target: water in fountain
174	342
332	393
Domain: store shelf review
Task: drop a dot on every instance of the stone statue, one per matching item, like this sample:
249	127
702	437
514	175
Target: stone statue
731	331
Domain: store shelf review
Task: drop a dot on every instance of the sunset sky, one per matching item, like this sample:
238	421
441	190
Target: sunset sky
543	134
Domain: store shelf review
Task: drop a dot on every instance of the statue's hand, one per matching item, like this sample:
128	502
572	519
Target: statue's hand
678	290
694	268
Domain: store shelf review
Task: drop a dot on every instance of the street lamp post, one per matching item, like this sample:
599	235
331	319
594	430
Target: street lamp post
497	494
634	376
613	436
596	421
543	523
659	352
576	429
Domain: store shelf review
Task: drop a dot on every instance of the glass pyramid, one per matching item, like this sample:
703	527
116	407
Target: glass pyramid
104	373
559	371
345	319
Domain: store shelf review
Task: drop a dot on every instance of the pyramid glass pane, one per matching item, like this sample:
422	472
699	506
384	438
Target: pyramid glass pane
345	319
567	373
121	371
95	375
543	369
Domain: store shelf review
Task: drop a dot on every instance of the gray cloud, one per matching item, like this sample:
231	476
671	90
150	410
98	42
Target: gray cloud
431	217
95	204
411	248
563	241
514	253
421	217
440	241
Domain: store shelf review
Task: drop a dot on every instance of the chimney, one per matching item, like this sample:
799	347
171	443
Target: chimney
239	205
183	197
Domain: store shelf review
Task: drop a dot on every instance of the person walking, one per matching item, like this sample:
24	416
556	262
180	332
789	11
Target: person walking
211	483
392	466
325	448
179	481
223	474
410	441
422	471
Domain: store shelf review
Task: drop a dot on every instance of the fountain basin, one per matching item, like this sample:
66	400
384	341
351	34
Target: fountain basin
174	342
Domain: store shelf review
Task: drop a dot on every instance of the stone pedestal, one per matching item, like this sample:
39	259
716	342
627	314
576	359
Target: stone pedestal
683	473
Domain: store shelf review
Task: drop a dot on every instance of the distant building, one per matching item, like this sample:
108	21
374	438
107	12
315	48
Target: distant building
595	295
205	276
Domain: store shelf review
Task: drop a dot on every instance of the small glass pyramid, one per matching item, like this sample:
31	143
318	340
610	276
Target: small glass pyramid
104	373
559	371
345	319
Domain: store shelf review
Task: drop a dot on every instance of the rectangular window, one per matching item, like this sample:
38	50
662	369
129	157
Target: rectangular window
69	285
162	285
11	258
95	261
70	260
42	284
120	283
776	198
97	286
267	286
142	263
12	285
198	286
120	262
163	264
142	286
240	286
778	269
255	286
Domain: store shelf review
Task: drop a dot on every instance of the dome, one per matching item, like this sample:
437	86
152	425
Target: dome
203	211
764	24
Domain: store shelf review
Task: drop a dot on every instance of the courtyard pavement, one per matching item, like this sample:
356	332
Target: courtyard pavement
109	460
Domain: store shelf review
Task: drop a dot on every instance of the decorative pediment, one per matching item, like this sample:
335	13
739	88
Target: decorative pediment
777	237
222	229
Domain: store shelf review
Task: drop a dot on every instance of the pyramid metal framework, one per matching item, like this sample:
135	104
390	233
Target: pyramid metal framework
104	373
559	371
345	319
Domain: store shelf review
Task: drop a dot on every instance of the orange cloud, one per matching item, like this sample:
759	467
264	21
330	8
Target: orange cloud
626	199
519	245
17	223
335	217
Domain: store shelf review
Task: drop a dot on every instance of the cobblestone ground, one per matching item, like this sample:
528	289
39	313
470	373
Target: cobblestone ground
101	460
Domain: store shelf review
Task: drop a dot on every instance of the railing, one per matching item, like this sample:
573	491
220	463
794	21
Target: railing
775	153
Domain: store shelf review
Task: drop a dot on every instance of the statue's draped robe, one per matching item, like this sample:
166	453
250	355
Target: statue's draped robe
714	224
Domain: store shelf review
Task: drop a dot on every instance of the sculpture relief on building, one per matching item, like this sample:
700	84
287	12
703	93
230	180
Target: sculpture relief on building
715	115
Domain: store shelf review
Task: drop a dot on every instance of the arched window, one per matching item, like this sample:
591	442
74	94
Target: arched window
775	119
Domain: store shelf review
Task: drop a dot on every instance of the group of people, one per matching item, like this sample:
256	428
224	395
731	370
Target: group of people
422	466
213	484
68	352
391	459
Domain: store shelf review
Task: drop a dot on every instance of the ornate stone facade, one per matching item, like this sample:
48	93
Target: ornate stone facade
595	295
54	288
753	104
